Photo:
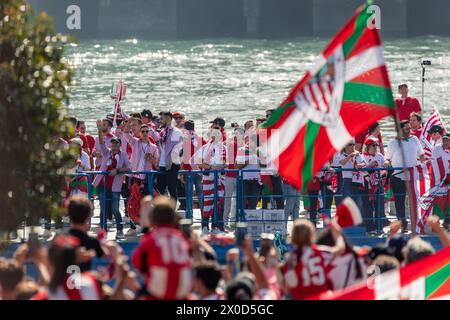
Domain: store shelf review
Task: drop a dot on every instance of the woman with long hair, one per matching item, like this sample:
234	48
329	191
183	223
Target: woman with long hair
306	271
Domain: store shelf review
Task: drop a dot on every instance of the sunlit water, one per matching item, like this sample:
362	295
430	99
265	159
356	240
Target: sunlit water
236	79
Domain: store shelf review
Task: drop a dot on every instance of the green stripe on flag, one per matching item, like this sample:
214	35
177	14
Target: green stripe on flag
360	25
276	115
312	130
368	93
436	279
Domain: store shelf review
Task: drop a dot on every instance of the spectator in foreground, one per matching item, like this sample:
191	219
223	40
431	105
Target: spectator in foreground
162	257
80	211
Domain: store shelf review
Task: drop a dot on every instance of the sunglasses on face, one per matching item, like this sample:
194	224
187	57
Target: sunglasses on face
351	145
144	131
374	145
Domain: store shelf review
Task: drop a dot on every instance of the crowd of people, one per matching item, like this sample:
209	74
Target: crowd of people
169	145
175	262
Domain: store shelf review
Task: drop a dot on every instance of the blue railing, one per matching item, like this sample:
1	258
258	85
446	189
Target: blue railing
240	213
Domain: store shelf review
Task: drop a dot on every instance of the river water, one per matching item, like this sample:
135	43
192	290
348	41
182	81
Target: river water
236	79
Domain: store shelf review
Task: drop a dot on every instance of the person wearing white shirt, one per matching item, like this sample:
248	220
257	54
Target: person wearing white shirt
351	159
436	133
372	200
395	157
442	150
247	158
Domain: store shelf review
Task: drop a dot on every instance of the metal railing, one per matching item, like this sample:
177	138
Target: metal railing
241	197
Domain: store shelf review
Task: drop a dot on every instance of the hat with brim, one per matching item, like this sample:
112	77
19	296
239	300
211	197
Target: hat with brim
218	121
116	140
436	129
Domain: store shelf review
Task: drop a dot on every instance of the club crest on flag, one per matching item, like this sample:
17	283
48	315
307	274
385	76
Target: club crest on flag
320	100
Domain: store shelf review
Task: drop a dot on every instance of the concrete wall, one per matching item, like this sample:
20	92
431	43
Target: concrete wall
274	19
145	19
330	15
210	18
57	9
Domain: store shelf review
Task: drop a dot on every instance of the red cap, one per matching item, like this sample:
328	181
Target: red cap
370	140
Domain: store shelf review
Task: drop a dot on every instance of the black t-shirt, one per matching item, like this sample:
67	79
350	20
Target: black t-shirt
88	243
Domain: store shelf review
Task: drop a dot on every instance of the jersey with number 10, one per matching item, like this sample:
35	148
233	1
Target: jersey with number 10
163	258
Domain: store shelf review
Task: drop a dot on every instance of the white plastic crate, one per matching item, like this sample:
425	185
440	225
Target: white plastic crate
273	215
253	215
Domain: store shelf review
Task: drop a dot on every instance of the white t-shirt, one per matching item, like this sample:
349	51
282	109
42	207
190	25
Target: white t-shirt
439	152
85	162
253	164
212	154
349	165
377	157
335	161
412	150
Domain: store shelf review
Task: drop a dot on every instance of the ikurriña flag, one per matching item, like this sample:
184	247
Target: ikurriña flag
342	94
426	181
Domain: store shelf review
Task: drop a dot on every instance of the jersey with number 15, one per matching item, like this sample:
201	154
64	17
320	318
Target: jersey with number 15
307	275
163	258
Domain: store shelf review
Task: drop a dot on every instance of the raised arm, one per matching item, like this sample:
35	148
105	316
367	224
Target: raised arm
255	265
101	139
435	225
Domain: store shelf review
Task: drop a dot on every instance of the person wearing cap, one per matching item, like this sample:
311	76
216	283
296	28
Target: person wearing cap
115	162
147	116
436	133
78	184
395	157
372	201
352	179
406	105
442	199
233	145
179	118
212	156
149	119
221	123
82	161
170	146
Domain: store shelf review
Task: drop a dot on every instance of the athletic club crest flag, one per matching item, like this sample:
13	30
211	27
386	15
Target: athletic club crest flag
341	95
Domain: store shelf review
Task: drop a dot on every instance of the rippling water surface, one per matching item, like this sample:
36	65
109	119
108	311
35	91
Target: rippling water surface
237	79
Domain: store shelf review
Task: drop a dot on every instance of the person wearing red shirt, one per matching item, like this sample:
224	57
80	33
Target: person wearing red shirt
415	121
406	105
306	271
163	257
